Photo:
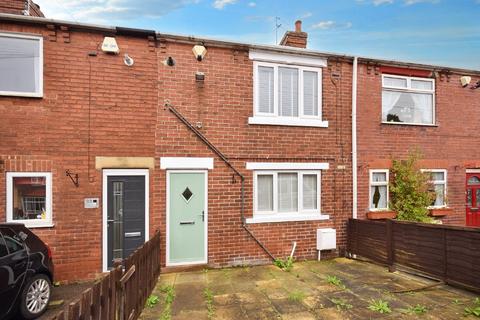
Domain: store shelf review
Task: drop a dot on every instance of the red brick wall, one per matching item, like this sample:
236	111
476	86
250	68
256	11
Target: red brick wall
223	106
451	144
52	133
127	118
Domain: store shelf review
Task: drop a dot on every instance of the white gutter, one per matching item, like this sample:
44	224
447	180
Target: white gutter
354	138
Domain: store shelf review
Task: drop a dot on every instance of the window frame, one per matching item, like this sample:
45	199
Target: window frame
444	182
409	89
300	210
275	118
30	223
39	93
372	183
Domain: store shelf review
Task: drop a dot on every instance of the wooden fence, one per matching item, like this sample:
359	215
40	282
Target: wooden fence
448	253
121	293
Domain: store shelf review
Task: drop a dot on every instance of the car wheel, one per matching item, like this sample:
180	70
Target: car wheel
35	296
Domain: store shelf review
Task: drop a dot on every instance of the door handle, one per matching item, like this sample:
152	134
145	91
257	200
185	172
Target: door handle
203	215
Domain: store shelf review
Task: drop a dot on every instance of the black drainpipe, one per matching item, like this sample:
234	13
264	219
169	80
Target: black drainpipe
224	159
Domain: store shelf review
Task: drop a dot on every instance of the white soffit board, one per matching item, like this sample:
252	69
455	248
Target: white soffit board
268	56
287	165
186	163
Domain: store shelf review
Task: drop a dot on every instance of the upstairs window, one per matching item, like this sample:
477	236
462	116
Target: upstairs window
21	65
287	95
408	100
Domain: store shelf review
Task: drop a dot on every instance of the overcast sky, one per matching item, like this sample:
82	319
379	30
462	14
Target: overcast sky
442	32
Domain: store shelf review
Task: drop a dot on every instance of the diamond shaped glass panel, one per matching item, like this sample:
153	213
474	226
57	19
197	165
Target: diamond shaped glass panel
187	194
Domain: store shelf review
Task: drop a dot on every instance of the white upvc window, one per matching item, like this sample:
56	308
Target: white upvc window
21	65
29	198
285	94
438	181
378	193
408	100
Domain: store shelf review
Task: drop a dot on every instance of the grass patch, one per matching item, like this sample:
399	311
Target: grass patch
208	294
379	306
169	292
296	296
334	280
341	304
285	265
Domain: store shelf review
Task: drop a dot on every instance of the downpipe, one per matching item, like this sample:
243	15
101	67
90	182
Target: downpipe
212	147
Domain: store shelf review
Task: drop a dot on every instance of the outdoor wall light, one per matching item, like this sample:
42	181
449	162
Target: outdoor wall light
199	52
169	62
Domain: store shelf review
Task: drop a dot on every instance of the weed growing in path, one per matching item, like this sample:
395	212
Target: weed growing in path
379	306
296	296
341	304
170	296
285	265
473	310
152	300
417	309
208	294
336	282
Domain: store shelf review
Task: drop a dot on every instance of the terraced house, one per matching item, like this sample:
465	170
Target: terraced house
236	152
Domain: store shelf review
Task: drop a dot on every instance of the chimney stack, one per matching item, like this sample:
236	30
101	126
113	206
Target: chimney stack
21	7
297	38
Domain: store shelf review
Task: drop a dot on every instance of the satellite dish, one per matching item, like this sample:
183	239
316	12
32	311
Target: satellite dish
128	60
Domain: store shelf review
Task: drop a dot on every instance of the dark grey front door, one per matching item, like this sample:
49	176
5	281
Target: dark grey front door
126	215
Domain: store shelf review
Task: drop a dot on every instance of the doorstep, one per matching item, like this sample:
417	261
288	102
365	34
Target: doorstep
194	267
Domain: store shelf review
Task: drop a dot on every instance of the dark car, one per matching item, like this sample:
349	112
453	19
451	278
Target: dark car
26	273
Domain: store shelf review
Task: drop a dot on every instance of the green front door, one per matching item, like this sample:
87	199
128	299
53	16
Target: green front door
187	218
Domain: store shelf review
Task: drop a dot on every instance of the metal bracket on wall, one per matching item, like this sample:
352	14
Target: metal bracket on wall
72	176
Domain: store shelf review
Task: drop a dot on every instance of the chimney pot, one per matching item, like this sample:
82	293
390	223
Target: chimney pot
298	26
296	38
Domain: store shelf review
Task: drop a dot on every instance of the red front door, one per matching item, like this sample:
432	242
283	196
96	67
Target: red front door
473	199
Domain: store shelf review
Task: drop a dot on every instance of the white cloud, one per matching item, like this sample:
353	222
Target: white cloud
308	15
324	25
380	2
108	11
328	25
254	4
220	4
410	2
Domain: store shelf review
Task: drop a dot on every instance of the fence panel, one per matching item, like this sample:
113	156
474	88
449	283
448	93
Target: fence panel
449	253
123	291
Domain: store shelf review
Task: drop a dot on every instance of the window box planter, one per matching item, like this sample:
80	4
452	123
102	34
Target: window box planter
378	215
440	212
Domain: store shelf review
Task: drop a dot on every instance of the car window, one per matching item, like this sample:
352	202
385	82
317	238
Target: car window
12	240
3	247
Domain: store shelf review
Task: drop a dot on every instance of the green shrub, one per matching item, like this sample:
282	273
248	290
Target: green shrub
410	190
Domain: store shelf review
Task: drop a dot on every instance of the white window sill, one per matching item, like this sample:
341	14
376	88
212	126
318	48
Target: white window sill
284	121
21	94
287	218
410	124
34	225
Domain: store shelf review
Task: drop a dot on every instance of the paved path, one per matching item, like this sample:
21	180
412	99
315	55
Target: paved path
267	292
